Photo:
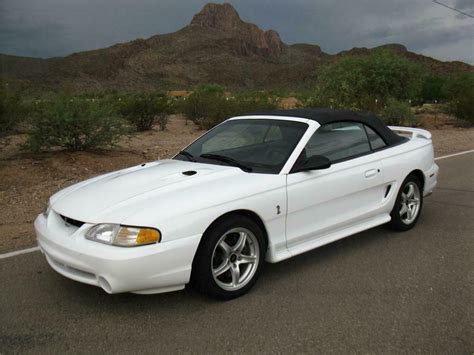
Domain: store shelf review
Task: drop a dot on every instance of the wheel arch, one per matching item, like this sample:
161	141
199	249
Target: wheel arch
419	174
240	212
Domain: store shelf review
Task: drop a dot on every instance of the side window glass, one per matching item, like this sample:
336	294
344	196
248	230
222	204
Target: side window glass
273	134
376	141
338	141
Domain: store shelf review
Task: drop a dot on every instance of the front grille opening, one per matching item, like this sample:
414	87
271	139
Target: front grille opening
71	221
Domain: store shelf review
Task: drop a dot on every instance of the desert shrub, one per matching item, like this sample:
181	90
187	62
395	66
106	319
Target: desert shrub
253	101
12	112
398	113
73	124
143	111
367	82
460	92
305	97
209	105
204	104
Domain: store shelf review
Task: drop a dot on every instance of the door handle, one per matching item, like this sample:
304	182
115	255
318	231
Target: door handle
372	172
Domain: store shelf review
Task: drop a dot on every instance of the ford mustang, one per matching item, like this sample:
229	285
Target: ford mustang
257	188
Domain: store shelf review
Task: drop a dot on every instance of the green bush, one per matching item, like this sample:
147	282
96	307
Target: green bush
434	88
12	112
73	124
143	111
367	82
398	113
208	105
460	92
253	101
205	104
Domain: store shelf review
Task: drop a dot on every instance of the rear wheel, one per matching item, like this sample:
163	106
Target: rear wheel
408	205
229	258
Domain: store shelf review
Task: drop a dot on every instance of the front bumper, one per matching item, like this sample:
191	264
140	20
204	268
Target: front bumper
146	269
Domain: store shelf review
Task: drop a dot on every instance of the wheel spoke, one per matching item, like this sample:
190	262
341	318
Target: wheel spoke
221	268
248	259
403	210
227	249
235	272
410	192
239	246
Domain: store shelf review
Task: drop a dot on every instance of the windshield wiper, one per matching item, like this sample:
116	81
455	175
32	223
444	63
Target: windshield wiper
187	155
227	160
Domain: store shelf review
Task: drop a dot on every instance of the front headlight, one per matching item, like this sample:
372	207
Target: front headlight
123	236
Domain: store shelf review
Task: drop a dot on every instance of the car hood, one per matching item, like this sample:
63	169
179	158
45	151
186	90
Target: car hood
112	197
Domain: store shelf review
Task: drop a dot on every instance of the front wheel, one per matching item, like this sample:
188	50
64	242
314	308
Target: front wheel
230	258
408	205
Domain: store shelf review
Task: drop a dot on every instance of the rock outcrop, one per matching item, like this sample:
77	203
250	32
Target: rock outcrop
224	18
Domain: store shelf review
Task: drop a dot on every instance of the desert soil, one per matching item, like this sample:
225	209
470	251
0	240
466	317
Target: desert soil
27	180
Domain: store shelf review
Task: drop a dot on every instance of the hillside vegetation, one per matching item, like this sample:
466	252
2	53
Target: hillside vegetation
227	67
382	83
217	47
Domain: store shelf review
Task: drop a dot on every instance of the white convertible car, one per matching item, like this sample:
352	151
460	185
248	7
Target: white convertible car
256	188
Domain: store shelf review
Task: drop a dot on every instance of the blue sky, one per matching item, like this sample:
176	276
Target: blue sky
47	28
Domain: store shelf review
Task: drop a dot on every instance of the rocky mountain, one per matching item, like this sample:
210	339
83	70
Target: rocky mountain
216	47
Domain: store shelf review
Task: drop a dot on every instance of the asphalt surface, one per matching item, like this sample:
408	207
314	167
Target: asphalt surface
375	292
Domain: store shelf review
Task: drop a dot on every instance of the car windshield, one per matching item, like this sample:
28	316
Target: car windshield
256	145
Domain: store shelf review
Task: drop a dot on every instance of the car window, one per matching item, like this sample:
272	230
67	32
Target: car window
375	140
273	134
262	144
235	136
338	141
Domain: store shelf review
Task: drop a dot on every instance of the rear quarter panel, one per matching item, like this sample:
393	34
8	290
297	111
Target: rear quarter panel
399	161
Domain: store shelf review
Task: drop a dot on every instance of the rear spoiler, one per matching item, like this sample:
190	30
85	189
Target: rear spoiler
411	132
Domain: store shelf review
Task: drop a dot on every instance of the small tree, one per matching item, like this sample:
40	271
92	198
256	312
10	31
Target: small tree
73	124
366	82
434	88
143	111
460	92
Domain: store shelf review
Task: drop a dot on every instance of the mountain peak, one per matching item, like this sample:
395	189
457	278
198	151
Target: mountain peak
219	16
225	19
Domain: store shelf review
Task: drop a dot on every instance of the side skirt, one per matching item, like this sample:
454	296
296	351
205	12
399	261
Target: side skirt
330	237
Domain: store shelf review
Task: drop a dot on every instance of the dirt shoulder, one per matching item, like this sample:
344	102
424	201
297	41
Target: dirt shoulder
27	180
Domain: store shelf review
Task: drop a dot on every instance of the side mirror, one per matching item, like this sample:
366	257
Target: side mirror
316	162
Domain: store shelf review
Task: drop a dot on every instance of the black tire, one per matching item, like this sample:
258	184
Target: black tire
202	278
398	223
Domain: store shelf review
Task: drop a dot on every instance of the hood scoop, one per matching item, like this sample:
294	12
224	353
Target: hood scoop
189	172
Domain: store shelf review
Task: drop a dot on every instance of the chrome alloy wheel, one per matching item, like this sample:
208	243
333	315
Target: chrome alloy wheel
235	259
410	203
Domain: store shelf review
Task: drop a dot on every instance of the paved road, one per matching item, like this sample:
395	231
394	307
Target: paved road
376	292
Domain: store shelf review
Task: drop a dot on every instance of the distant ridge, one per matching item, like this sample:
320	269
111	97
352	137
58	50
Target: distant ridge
216	47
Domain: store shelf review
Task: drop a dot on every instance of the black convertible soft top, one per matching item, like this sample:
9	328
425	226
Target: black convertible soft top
325	115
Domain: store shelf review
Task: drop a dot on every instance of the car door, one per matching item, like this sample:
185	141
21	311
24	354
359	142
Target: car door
351	190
